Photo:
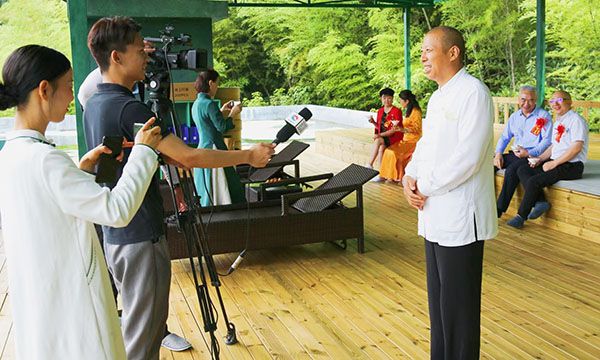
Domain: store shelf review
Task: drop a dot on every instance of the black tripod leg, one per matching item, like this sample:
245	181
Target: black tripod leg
203	248
163	107
206	308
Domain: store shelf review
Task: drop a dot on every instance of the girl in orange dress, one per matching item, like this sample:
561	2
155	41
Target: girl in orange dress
396	157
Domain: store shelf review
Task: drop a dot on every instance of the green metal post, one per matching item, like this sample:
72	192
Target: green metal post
407	47
81	59
540	51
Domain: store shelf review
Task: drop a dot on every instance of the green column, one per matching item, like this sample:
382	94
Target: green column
81	59
540	51
407	47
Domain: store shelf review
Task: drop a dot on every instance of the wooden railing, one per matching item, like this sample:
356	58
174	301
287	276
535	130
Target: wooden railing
504	106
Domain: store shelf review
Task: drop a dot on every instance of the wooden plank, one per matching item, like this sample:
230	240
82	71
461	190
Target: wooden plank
193	323
392	333
294	317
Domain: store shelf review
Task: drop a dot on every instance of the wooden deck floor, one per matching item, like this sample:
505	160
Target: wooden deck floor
541	297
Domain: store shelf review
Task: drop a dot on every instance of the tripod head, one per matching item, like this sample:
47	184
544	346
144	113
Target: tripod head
162	61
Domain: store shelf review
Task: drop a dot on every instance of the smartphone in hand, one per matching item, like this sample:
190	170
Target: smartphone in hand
108	165
136	128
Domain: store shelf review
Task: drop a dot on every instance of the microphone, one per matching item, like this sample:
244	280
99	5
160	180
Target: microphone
294	124
237	262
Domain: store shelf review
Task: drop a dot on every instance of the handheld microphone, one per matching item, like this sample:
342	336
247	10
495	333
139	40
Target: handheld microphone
294	124
237	262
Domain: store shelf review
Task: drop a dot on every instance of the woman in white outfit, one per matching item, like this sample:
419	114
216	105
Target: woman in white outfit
62	303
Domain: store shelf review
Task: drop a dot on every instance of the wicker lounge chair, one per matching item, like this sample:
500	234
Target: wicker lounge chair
253	180
294	219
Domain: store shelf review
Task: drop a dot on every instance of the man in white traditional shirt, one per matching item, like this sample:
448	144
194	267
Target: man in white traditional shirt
563	160
450	182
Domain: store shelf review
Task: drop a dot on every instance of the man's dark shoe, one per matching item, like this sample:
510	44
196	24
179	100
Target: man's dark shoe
516	222
540	208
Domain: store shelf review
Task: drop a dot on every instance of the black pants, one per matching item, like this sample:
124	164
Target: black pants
535	179
511	180
454	294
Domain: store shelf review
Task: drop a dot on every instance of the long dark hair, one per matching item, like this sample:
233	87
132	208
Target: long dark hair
25	68
202	81
412	101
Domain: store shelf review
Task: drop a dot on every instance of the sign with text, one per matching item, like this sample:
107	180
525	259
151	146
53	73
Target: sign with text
184	91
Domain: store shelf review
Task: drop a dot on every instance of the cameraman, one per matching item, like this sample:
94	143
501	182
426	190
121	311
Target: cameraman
137	255
87	89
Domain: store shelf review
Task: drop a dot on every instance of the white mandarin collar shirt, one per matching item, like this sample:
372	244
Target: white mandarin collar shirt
576	129
452	164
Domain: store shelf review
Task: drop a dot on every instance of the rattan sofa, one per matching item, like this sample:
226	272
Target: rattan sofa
294	219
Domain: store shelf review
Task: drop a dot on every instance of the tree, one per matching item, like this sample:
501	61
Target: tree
24	22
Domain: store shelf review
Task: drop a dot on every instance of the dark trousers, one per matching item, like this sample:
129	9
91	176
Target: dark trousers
511	180
535	179
454	294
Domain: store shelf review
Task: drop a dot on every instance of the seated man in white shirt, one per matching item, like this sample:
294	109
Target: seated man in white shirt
531	129
563	160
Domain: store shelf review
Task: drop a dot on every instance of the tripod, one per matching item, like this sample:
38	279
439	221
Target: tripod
190	223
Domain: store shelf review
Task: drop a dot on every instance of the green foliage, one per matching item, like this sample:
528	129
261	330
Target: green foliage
342	57
239	58
256	100
574	47
498	47
24	22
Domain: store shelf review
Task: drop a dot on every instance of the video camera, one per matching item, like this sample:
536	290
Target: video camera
163	60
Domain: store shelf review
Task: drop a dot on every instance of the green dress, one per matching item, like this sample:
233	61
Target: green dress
215	186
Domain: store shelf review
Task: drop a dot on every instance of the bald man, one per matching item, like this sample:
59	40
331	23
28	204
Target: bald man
450	182
563	160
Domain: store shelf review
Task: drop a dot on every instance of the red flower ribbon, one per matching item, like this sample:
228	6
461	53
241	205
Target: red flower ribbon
539	125
560	130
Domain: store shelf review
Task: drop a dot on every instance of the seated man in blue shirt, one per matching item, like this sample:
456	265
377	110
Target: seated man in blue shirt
531	127
563	160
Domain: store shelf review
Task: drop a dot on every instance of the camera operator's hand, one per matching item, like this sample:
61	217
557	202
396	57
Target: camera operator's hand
149	47
260	154
149	135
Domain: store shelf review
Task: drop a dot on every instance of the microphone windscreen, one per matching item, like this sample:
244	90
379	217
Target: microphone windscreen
284	134
305	113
